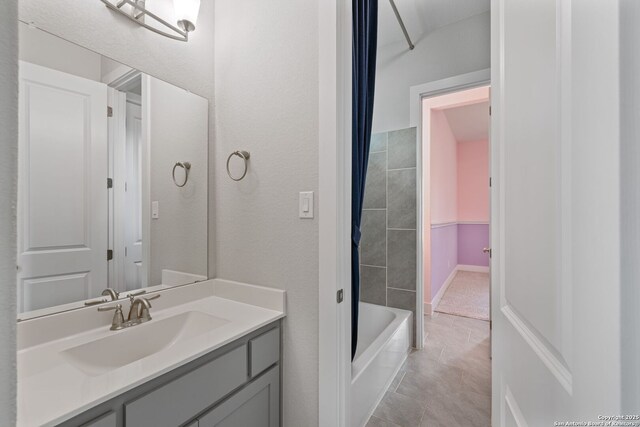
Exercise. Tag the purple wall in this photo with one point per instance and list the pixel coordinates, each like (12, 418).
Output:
(444, 254)
(471, 239)
(456, 244)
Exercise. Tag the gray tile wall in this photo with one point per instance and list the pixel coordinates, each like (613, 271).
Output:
(388, 270)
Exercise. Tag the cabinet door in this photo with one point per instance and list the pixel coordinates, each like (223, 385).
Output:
(180, 400)
(257, 405)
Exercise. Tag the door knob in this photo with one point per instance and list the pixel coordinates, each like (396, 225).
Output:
(486, 250)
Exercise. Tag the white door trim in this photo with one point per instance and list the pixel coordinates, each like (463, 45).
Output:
(116, 134)
(335, 203)
(334, 210)
(145, 271)
(118, 81)
(417, 94)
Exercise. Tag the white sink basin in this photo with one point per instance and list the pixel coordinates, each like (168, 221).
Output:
(137, 342)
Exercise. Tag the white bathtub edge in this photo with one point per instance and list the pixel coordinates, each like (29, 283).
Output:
(380, 343)
(384, 359)
(379, 399)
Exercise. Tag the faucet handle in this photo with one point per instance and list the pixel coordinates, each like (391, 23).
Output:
(118, 317)
(95, 302)
(154, 297)
(110, 307)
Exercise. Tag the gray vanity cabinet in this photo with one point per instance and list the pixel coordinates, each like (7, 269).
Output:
(179, 400)
(257, 405)
(237, 385)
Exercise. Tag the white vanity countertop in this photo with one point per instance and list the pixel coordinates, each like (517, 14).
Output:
(51, 390)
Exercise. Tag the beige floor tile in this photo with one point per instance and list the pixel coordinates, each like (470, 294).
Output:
(448, 383)
(377, 422)
(396, 381)
(400, 409)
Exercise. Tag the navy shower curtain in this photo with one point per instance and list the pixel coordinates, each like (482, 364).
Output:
(365, 37)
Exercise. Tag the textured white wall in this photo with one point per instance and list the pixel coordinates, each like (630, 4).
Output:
(458, 48)
(188, 65)
(267, 103)
(8, 174)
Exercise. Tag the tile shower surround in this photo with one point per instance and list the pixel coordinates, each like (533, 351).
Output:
(388, 247)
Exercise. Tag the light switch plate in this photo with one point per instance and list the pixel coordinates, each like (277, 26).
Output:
(305, 205)
(155, 214)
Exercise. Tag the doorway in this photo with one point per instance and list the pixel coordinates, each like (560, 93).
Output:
(451, 367)
(456, 202)
(447, 379)
(127, 151)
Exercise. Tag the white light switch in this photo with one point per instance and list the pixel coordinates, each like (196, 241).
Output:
(306, 204)
(155, 214)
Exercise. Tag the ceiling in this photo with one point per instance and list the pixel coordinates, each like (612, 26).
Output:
(469, 122)
(423, 16)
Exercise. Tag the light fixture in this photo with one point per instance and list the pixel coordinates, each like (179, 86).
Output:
(186, 12)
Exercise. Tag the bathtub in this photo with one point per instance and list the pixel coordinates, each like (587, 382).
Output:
(384, 341)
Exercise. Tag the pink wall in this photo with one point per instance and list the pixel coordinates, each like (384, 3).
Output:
(444, 175)
(473, 181)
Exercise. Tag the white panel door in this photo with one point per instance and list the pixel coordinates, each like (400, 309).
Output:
(62, 188)
(555, 212)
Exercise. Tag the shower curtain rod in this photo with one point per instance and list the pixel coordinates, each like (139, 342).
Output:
(404, 29)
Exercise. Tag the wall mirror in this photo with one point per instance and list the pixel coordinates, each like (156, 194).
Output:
(112, 187)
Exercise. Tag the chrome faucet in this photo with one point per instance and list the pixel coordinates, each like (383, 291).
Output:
(140, 307)
(138, 312)
(112, 293)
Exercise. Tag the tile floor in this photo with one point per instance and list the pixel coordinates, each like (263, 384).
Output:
(448, 383)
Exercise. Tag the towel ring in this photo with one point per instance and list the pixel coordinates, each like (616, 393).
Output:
(187, 167)
(244, 155)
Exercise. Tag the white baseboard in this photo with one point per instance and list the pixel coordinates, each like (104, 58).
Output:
(477, 268)
(437, 297)
(429, 308)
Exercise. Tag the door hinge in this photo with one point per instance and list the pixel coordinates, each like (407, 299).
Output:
(109, 182)
(340, 296)
(109, 111)
(109, 254)
(489, 109)
(490, 182)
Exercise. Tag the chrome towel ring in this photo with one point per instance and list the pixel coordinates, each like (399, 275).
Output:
(187, 167)
(244, 155)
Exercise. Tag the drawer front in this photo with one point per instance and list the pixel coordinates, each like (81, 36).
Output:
(256, 405)
(106, 420)
(264, 351)
(180, 400)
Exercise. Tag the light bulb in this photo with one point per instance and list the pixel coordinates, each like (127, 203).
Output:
(187, 13)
